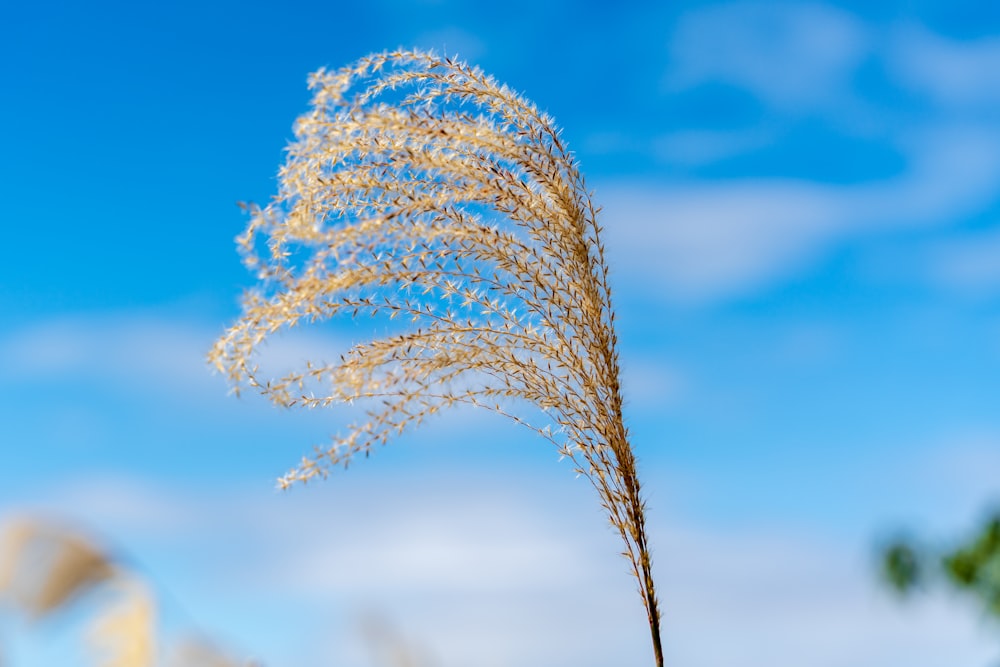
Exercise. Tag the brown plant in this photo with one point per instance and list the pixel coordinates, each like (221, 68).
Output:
(43, 566)
(46, 566)
(422, 189)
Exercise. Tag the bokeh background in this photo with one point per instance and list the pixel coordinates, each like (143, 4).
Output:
(802, 211)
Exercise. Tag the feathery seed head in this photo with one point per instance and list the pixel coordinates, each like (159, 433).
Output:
(417, 186)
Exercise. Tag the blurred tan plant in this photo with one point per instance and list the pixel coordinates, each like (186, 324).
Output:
(45, 566)
(419, 188)
(389, 647)
(124, 633)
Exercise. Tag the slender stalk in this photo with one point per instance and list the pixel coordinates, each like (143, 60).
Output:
(647, 589)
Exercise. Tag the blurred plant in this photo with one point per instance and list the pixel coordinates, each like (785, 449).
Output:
(389, 647)
(973, 567)
(125, 631)
(420, 188)
(45, 567)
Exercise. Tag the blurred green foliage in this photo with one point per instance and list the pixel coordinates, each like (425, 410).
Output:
(973, 567)
(902, 567)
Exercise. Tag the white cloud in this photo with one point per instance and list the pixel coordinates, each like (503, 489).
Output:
(137, 348)
(123, 502)
(810, 344)
(709, 241)
(154, 353)
(705, 241)
(685, 147)
(955, 74)
(651, 384)
(969, 265)
(701, 147)
(960, 472)
(785, 598)
(526, 568)
(795, 56)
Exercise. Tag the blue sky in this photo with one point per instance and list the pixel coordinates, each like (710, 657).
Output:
(802, 212)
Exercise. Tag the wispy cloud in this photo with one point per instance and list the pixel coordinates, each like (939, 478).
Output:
(517, 565)
(960, 471)
(705, 242)
(970, 265)
(796, 57)
(955, 75)
(702, 147)
(159, 352)
(711, 239)
(162, 355)
(698, 241)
